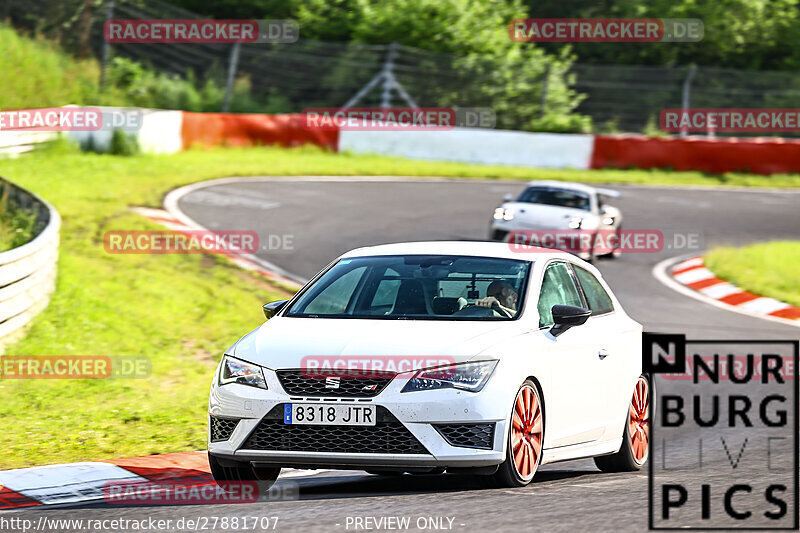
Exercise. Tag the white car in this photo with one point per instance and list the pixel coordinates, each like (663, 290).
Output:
(547, 211)
(434, 356)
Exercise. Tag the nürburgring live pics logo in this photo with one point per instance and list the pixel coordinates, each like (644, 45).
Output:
(723, 433)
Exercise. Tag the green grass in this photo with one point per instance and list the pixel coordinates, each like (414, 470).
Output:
(181, 311)
(767, 269)
(17, 223)
(38, 74)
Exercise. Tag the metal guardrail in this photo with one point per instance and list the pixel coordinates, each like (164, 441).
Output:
(28, 272)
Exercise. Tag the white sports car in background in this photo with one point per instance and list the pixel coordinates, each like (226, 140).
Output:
(430, 357)
(547, 211)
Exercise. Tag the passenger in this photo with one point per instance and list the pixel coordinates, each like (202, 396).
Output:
(501, 293)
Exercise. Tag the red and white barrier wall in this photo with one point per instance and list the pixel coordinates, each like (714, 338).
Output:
(755, 155)
(500, 147)
(173, 131)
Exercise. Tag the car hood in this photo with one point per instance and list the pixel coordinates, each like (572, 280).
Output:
(284, 342)
(542, 216)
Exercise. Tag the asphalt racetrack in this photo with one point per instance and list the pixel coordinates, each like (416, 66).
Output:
(328, 216)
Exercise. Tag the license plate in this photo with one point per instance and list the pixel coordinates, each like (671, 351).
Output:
(328, 415)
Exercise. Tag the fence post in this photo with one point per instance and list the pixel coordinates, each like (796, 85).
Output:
(685, 99)
(545, 83)
(232, 63)
(388, 77)
(106, 47)
(388, 82)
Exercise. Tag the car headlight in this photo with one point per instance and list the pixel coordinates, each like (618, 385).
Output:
(575, 222)
(501, 213)
(237, 371)
(466, 376)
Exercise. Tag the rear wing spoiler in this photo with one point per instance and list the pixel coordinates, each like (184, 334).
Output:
(607, 192)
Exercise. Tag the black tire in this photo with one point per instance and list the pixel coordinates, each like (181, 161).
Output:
(507, 474)
(226, 470)
(626, 459)
(617, 252)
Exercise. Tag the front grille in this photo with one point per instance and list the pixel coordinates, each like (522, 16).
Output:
(388, 435)
(468, 435)
(222, 428)
(300, 382)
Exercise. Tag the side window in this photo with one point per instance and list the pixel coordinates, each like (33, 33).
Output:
(334, 298)
(558, 288)
(596, 296)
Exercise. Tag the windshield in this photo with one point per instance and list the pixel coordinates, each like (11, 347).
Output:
(559, 197)
(423, 287)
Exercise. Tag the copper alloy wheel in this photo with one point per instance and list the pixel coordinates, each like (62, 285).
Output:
(639, 421)
(526, 433)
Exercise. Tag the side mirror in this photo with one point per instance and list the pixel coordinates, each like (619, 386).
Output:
(568, 316)
(508, 197)
(271, 309)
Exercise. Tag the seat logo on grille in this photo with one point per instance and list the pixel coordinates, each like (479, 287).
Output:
(370, 387)
(332, 383)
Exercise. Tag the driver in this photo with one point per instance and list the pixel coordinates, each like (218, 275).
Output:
(501, 293)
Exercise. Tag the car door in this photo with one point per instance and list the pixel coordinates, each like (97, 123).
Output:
(604, 326)
(575, 387)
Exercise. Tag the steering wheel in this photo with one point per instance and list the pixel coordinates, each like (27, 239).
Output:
(477, 310)
(502, 310)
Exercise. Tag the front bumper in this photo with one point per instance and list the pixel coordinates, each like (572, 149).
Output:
(513, 233)
(418, 412)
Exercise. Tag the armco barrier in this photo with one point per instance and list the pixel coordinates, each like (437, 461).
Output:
(232, 129)
(759, 156)
(28, 272)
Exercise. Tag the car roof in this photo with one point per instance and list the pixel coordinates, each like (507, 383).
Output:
(471, 248)
(573, 186)
(568, 185)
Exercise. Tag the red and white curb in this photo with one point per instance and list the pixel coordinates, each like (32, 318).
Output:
(85, 482)
(246, 261)
(690, 276)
